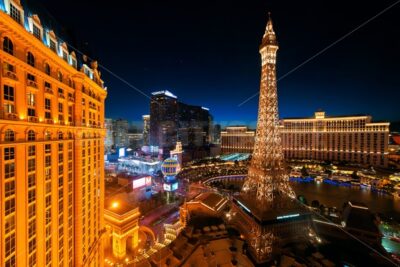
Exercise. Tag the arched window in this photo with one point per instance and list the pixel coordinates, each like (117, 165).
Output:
(30, 59)
(47, 68)
(60, 135)
(60, 76)
(47, 135)
(9, 136)
(31, 135)
(8, 46)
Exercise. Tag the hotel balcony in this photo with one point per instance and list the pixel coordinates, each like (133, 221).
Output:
(9, 116)
(61, 95)
(32, 84)
(33, 119)
(49, 121)
(10, 75)
(48, 90)
(71, 98)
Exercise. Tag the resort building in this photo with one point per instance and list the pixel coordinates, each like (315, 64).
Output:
(237, 139)
(336, 138)
(354, 139)
(51, 146)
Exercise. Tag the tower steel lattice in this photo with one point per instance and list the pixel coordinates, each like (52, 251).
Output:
(266, 211)
(267, 178)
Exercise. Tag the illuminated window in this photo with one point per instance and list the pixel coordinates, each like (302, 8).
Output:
(9, 136)
(47, 161)
(31, 99)
(9, 245)
(9, 170)
(9, 188)
(31, 197)
(47, 107)
(8, 93)
(47, 147)
(31, 165)
(9, 224)
(8, 46)
(31, 180)
(31, 135)
(9, 153)
(9, 206)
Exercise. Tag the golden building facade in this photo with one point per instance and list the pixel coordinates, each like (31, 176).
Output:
(341, 138)
(237, 139)
(327, 138)
(51, 148)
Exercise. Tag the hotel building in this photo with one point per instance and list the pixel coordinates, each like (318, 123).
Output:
(172, 121)
(327, 138)
(51, 146)
(237, 139)
(336, 138)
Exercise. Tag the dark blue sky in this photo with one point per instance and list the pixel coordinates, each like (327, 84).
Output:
(206, 52)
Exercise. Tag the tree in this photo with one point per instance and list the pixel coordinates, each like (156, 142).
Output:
(304, 172)
(355, 176)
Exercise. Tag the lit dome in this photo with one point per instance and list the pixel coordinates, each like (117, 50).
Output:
(170, 167)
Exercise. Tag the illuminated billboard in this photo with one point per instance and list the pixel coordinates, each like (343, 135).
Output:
(143, 181)
(170, 187)
(121, 152)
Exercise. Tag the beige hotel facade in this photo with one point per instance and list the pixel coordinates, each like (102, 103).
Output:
(353, 138)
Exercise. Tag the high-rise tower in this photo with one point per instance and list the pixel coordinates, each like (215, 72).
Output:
(51, 145)
(266, 211)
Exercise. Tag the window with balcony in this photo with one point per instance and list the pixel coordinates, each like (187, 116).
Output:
(8, 46)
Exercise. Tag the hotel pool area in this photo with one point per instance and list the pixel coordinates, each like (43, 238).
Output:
(235, 157)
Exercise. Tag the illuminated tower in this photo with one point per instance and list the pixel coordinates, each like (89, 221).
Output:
(146, 129)
(266, 210)
(177, 154)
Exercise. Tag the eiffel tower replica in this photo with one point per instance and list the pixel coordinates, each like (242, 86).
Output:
(266, 211)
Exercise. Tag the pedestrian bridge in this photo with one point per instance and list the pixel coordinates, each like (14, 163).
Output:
(225, 178)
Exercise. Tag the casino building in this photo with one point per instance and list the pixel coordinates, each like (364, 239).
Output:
(51, 145)
(237, 139)
(352, 138)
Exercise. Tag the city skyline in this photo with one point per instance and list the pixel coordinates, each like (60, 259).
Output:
(210, 50)
(82, 187)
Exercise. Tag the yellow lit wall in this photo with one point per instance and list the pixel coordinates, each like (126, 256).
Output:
(51, 150)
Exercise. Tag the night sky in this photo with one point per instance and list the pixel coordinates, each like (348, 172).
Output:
(206, 53)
